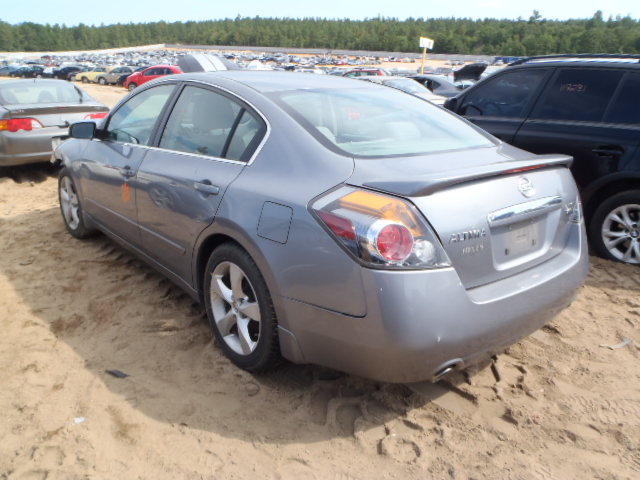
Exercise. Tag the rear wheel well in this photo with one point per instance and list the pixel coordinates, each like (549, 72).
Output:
(607, 191)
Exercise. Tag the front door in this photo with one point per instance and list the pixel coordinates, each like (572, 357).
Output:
(110, 165)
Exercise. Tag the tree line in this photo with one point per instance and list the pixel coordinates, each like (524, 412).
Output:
(521, 37)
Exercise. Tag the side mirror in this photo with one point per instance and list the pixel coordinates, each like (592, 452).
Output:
(451, 104)
(82, 130)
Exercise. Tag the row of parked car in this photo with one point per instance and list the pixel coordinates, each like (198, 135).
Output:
(127, 76)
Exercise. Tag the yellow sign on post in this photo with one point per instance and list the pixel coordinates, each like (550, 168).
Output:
(424, 44)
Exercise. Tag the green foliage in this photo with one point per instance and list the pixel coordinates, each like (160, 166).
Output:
(535, 36)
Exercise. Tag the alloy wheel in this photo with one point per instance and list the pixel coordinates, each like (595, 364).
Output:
(235, 308)
(621, 233)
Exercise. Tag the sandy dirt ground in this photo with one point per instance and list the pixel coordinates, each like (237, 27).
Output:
(561, 404)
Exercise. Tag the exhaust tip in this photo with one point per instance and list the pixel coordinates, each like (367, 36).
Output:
(446, 369)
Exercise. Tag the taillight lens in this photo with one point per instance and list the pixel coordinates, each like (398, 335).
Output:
(95, 116)
(380, 230)
(16, 124)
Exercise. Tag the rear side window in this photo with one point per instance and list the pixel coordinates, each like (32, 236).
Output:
(578, 94)
(505, 96)
(626, 107)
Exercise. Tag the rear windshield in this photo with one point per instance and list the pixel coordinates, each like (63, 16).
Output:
(378, 122)
(32, 92)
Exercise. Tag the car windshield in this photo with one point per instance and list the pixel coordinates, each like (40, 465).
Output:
(378, 122)
(34, 93)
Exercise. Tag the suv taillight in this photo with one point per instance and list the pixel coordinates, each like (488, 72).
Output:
(15, 124)
(380, 230)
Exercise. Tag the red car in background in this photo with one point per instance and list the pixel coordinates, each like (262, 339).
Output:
(138, 78)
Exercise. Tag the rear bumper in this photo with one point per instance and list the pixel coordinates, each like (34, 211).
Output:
(419, 322)
(21, 148)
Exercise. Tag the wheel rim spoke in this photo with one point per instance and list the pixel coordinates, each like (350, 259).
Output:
(250, 310)
(237, 276)
(220, 289)
(246, 343)
(227, 322)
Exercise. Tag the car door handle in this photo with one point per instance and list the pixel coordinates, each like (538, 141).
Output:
(127, 172)
(206, 187)
(608, 150)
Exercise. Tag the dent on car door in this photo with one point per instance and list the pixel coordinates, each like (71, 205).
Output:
(590, 115)
(500, 104)
(110, 164)
(205, 145)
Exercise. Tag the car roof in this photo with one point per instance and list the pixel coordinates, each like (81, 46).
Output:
(266, 81)
(581, 58)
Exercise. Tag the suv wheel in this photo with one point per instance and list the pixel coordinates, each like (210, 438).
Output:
(102, 81)
(615, 228)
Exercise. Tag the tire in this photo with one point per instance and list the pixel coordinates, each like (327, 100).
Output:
(240, 309)
(85, 80)
(70, 206)
(132, 87)
(102, 81)
(615, 228)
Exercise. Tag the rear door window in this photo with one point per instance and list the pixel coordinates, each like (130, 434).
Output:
(207, 123)
(578, 94)
(505, 96)
(626, 106)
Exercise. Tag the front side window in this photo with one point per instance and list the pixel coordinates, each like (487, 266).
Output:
(578, 94)
(133, 122)
(378, 122)
(204, 122)
(505, 96)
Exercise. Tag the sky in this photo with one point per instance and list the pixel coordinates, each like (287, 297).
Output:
(92, 12)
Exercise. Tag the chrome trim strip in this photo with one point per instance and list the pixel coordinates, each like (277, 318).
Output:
(524, 211)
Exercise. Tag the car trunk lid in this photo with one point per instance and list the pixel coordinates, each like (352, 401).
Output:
(53, 115)
(494, 218)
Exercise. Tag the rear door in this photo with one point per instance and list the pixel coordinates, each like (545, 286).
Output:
(207, 141)
(590, 114)
(500, 104)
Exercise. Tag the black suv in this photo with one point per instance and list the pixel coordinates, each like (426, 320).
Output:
(586, 106)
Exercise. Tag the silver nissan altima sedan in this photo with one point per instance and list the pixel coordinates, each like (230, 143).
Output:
(333, 222)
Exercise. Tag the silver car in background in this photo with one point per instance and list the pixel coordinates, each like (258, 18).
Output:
(32, 112)
(333, 222)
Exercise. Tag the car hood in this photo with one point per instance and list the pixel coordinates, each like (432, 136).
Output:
(472, 71)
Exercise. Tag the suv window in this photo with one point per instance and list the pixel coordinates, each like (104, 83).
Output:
(504, 96)
(625, 108)
(578, 94)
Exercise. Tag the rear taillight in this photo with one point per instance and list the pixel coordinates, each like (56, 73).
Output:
(16, 124)
(380, 230)
(95, 116)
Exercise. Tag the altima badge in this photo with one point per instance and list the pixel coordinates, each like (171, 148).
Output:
(526, 187)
